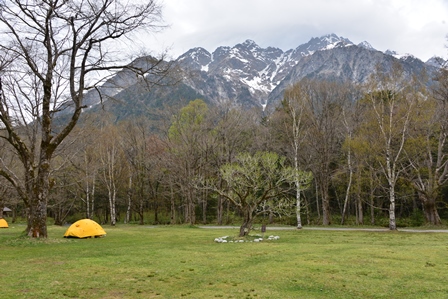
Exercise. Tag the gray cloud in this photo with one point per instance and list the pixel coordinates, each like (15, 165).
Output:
(407, 26)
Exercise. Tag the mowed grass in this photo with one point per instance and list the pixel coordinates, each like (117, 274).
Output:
(184, 262)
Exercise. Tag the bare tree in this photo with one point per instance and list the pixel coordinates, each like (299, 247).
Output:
(325, 102)
(427, 153)
(390, 100)
(144, 153)
(234, 132)
(82, 156)
(52, 51)
(292, 127)
(189, 147)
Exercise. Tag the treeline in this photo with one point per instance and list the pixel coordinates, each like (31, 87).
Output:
(377, 154)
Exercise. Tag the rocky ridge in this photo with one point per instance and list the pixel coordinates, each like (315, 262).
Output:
(249, 75)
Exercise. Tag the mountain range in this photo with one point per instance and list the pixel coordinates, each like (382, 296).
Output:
(248, 76)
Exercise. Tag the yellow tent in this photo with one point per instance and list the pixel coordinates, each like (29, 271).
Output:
(84, 228)
(3, 223)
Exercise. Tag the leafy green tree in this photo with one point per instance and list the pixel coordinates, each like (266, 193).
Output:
(256, 183)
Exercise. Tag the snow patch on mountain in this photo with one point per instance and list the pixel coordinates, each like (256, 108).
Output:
(204, 68)
(257, 84)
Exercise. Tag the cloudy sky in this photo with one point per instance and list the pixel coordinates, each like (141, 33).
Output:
(418, 27)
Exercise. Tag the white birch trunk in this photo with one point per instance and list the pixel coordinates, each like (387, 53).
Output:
(386, 118)
(298, 190)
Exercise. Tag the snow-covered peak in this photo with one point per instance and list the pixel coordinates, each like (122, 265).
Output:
(331, 38)
(195, 54)
(249, 46)
(326, 42)
(196, 58)
(366, 45)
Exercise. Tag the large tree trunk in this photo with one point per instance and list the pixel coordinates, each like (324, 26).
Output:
(37, 217)
(247, 224)
(326, 218)
(37, 205)
(430, 209)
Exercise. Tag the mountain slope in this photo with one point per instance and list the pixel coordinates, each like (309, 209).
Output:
(248, 75)
(347, 64)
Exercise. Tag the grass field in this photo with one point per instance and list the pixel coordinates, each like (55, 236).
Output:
(184, 262)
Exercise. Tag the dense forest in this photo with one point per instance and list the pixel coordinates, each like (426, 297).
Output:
(371, 155)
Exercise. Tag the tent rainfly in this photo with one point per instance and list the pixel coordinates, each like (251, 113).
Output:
(3, 223)
(85, 228)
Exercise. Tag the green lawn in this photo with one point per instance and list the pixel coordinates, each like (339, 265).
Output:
(183, 262)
